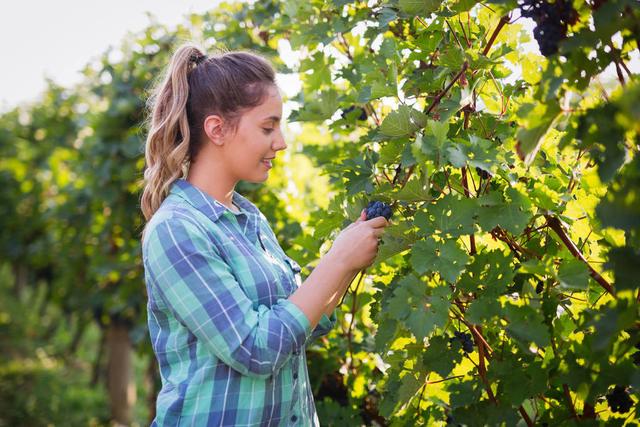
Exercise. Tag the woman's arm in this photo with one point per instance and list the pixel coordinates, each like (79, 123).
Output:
(323, 289)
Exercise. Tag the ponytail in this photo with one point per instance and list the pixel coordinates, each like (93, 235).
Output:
(165, 154)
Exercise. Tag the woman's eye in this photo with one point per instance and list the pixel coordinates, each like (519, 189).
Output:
(267, 131)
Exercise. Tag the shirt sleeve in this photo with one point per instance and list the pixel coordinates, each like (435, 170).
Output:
(199, 288)
(324, 326)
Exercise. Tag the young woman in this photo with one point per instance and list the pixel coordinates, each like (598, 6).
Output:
(228, 317)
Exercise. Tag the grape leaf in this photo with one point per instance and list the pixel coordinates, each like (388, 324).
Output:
(527, 325)
(439, 358)
(573, 274)
(403, 121)
(445, 258)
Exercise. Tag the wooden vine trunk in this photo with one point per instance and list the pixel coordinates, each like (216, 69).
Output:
(120, 379)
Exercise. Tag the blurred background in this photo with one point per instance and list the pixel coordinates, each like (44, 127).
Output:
(74, 347)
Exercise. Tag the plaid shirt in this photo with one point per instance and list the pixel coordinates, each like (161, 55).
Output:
(229, 343)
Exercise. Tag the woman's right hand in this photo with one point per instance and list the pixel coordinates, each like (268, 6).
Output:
(356, 247)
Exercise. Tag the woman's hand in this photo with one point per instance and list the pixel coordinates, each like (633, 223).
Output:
(356, 247)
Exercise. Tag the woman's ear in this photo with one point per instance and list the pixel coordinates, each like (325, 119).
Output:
(213, 129)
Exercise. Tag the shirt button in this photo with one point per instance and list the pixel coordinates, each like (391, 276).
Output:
(294, 418)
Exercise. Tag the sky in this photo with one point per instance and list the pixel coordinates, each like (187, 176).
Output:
(58, 38)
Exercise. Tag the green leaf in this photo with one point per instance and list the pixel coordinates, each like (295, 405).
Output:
(428, 308)
(512, 216)
(446, 258)
(419, 7)
(387, 327)
(452, 215)
(527, 325)
(573, 274)
(625, 263)
(530, 139)
(439, 358)
(416, 189)
(483, 309)
(403, 121)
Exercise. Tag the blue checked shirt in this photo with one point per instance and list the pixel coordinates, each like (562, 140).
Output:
(229, 343)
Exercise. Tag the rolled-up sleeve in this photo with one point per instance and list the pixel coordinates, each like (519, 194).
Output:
(200, 289)
(324, 326)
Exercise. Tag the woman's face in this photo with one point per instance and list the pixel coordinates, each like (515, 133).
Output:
(258, 137)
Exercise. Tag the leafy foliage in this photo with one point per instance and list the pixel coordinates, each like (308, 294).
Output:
(516, 194)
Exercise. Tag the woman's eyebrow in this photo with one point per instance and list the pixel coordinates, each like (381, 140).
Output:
(274, 118)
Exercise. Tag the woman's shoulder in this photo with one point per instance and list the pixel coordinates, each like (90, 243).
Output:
(171, 215)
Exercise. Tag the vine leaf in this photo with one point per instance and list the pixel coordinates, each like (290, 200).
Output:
(451, 215)
(419, 7)
(530, 139)
(445, 258)
(403, 121)
(428, 307)
(527, 325)
(439, 357)
(573, 274)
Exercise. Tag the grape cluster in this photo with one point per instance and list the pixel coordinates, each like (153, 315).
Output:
(552, 20)
(362, 116)
(619, 400)
(465, 340)
(377, 208)
(483, 173)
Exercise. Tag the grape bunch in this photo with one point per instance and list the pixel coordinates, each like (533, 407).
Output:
(483, 173)
(362, 116)
(377, 208)
(619, 400)
(552, 20)
(465, 340)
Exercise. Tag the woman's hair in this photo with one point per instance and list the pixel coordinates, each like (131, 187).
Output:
(192, 87)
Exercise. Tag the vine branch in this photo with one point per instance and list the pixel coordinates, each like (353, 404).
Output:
(555, 225)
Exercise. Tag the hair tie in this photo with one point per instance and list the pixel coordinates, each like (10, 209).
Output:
(198, 59)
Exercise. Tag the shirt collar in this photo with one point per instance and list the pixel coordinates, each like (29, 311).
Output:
(209, 206)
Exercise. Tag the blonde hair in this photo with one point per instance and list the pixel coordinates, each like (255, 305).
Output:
(193, 87)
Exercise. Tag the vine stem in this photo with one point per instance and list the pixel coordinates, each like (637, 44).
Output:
(436, 101)
(353, 315)
(555, 225)
(503, 21)
(454, 34)
(567, 395)
(465, 186)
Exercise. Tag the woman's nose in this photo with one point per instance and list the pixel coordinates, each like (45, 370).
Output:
(280, 143)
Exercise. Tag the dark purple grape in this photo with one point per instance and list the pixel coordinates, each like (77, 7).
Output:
(552, 20)
(465, 341)
(377, 208)
(483, 173)
(362, 116)
(619, 400)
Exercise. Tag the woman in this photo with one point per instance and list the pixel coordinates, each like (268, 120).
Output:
(228, 317)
